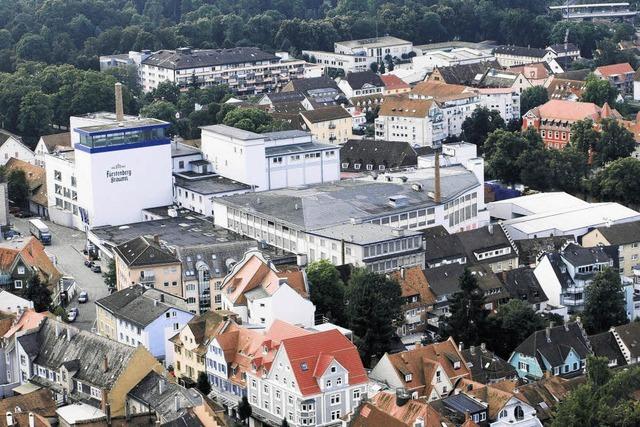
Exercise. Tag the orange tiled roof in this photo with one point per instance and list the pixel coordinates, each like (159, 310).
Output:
(393, 82)
(29, 320)
(32, 253)
(440, 91)
(614, 69)
(312, 350)
(409, 412)
(568, 110)
(415, 282)
(405, 107)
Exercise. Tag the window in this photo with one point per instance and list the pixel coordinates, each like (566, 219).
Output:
(518, 413)
(333, 369)
(408, 377)
(356, 393)
(18, 284)
(339, 381)
(523, 366)
(21, 270)
(336, 415)
(96, 393)
(328, 383)
(290, 400)
(335, 399)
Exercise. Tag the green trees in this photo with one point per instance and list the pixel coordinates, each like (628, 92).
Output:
(503, 152)
(253, 119)
(18, 188)
(109, 275)
(532, 97)
(481, 123)
(203, 384)
(36, 114)
(327, 290)
(468, 317)
(511, 325)
(244, 409)
(38, 293)
(599, 91)
(374, 303)
(615, 142)
(604, 303)
(618, 182)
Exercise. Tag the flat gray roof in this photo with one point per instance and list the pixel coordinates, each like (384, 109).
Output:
(179, 149)
(283, 134)
(211, 184)
(232, 132)
(298, 148)
(364, 234)
(320, 206)
(129, 124)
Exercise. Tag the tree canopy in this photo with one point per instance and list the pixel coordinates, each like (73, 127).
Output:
(599, 91)
(479, 124)
(468, 318)
(604, 303)
(617, 182)
(532, 97)
(327, 290)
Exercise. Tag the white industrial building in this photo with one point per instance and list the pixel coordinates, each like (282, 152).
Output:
(450, 57)
(270, 160)
(556, 214)
(116, 169)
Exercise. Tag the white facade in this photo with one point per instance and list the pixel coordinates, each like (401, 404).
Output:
(62, 189)
(13, 147)
(10, 303)
(447, 58)
(269, 161)
(199, 202)
(516, 413)
(420, 131)
(636, 90)
(505, 101)
(285, 304)
(347, 63)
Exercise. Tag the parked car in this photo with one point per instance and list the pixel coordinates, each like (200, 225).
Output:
(96, 268)
(23, 214)
(88, 263)
(83, 297)
(10, 234)
(72, 315)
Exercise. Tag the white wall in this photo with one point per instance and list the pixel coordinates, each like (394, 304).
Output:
(548, 281)
(286, 305)
(14, 148)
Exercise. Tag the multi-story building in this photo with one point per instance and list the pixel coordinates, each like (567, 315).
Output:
(506, 101)
(245, 70)
(79, 366)
(509, 56)
(270, 160)
(123, 60)
(10, 374)
(141, 316)
(394, 85)
(619, 76)
(416, 121)
(49, 144)
(12, 146)
(418, 300)
(329, 125)
(625, 236)
(565, 275)
(250, 350)
(290, 219)
(196, 191)
(358, 55)
(259, 294)
(553, 120)
(145, 261)
(364, 88)
(186, 350)
(313, 380)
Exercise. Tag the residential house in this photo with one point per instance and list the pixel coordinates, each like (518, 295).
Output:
(390, 409)
(442, 248)
(143, 260)
(609, 345)
(625, 236)
(487, 367)
(415, 121)
(636, 85)
(14, 304)
(12, 327)
(20, 260)
(545, 394)
(490, 246)
(238, 350)
(313, 379)
(522, 284)
(259, 293)
(505, 101)
(565, 275)
(429, 372)
(463, 408)
(628, 339)
(499, 78)
(362, 155)
(364, 89)
(418, 299)
(394, 85)
(505, 407)
(619, 76)
(530, 249)
(318, 92)
(37, 181)
(274, 160)
(49, 144)
(35, 409)
(329, 125)
(79, 366)
(11, 146)
(141, 316)
(557, 350)
(462, 74)
(565, 89)
(536, 73)
(186, 351)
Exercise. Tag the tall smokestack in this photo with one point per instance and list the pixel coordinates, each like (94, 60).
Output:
(437, 193)
(119, 106)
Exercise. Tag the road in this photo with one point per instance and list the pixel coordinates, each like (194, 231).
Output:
(66, 247)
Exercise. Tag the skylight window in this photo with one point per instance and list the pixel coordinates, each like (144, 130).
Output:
(304, 366)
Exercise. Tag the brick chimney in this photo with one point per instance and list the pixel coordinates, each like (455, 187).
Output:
(119, 104)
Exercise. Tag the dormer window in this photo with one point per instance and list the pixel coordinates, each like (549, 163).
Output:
(333, 369)
(456, 365)
(408, 377)
(265, 349)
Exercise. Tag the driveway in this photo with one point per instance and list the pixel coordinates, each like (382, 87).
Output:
(66, 246)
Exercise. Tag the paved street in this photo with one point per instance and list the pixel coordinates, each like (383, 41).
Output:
(67, 245)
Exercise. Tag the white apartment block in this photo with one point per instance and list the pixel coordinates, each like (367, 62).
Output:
(419, 122)
(271, 160)
(246, 70)
(358, 55)
(506, 101)
(62, 189)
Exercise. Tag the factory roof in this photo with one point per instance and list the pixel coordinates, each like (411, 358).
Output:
(232, 132)
(179, 150)
(520, 51)
(297, 148)
(319, 206)
(187, 58)
(210, 184)
(539, 203)
(373, 42)
(362, 234)
(120, 126)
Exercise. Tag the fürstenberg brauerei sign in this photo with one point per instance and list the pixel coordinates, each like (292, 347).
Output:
(118, 173)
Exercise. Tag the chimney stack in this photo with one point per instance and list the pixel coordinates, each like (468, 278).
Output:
(176, 401)
(119, 105)
(107, 412)
(161, 386)
(437, 192)
(9, 419)
(32, 420)
(105, 363)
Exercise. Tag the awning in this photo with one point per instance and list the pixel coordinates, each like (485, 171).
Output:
(26, 388)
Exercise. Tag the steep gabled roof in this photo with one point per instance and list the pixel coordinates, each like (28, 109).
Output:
(56, 140)
(32, 253)
(393, 82)
(630, 336)
(555, 349)
(621, 234)
(313, 351)
(324, 114)
(441, 91)
(357, 80)
(376, 152)
(414, 282)
(407, 414)
(615, 69)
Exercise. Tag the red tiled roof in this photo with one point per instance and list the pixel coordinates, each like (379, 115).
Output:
(33, 254)
(615, 69)
(392, 82)
(313, 351)
(568, 110)
(29, 320)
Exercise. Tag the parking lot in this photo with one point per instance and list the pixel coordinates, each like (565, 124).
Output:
(66, 247)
